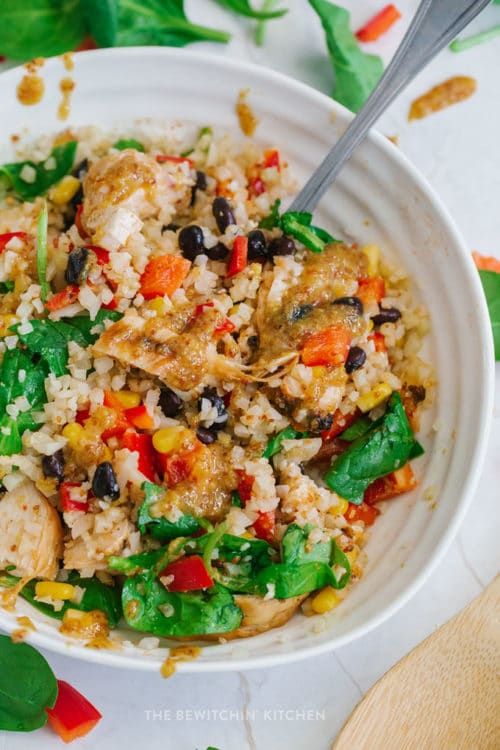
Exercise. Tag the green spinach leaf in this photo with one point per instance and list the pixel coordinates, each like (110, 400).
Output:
(386, 446)
(58, 164)
(238, 560)
(356, 73)
(491, 285)
(135, 564)
(160, 528)
(6, 286)
(124, 143)
(243, 8)
(148, 606)
(27, 687)
(357, 429)
(40, 28)
(161, 22)
(41, 253)
(10, 439)
(274, 445)
(101, 19)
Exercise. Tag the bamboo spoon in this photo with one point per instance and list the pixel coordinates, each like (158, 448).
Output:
(444, 695)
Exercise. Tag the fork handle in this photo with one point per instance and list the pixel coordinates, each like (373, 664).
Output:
(434, 25)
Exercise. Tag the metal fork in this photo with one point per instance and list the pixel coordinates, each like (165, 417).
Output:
(434, 25)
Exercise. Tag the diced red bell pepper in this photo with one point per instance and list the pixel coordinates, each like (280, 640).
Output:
(245, 484)
(239, 256)
(164, 275)
(139, 417)
(364, 512)
(329, 347)
(379, 341)
(79, 223)
(121, 422)
(379, 24)
(189, 574)
(226, 327)
(73, 715)
(101, 254)
(265, 525)
(82, 415)
(396, 483)
(163, 158)
(67, 297)
(66, 498)
(143, 444)
(340, 423)
(256, 186)
(177, 467)
(371, 290)
(484, 263)
(198, 310)
(112, 305)
(8, 236)
(271, 159)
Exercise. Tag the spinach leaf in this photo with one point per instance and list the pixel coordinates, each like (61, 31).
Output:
(386, 446)
(272, 219)
(238, 560)
(160, 528)
(243, 8)
(298, 224)
(274, 445)
(124, 143)
(293, 580)
(40, 28)
(32, 386)
(295, 547)
(491, 285)
(60, 163)
(85, 325)
(260, 31)
(148, 606)
(356, 73)
(10, 439)
(27, 687)
(6, 286)
(160, 22)
(41, 253)
(101, 18)
(357, 429)
(97, 595)
(135, 564)
(417, 450)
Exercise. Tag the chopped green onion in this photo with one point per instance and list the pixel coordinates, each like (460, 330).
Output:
(41, 253)
(460, 45)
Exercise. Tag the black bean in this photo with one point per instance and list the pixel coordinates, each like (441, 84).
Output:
(386, 315)
(205, 435)
(75, 270)
(170, 403)
(253, 342)
(200, 184)
(81, 169)
(215, 400)
(355, 359)
(257, 247)
(350, 302)
(104, 483)
(191, 241)
(172, 227)
(217, 252)
(300, 312)
(53, 466)
(281, 246)
(223, 214)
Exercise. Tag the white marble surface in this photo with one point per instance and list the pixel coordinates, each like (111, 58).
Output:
(304, 705)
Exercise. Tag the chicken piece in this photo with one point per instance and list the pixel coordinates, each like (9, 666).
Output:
(180, 358)
(122, 189)
(31, 534)
(105, 534)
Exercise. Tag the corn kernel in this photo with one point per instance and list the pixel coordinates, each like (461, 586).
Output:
(5, 322)
(105, 454)
(319, 371)
(372, 255)
(373, 398)
(65, 190)
(352, 556)
(73, 433)
(326, 600)
(158, 305)
(168, 439)
(54, 590)
(128, 399)
(342, 507)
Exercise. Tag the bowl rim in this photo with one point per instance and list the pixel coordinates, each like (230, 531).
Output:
(486, 380)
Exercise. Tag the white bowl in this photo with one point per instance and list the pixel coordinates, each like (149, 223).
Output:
(379, 197)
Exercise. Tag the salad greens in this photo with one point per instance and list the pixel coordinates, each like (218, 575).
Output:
(43, 28)
(97, 595)
(160, 528)
(356, 73)
(297, 224)
(243, 8)
(128, 143)
(491, 285)
(101, 20)
(41, 253)
(45, 173)
(27, 687)
(274, 445)
(386, 446)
